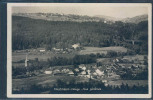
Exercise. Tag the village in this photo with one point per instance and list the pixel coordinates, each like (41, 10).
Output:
(105, 70)
(104, 73)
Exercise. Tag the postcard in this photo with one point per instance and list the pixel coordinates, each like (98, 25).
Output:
(79, 50)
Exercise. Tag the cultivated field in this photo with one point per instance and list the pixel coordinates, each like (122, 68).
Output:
(41, 56)
(104, 50)
(49, 80)
(18, 56)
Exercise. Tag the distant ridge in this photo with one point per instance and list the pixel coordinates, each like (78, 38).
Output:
(81, 18)
(60, 17)
(108, 18)
(136, 19)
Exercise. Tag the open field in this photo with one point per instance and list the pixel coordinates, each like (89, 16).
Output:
(49, 80)
(31, 56)
(44, 80)
(17, 56)
(104, 50)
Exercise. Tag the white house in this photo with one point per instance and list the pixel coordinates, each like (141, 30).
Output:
(104, 81)
(65, 70)
(71, 73)
(55, 49)
(88, 76)
(83, 73)
(77, 70)
(82, 66)
(43, 50)
(100, 73)
(48, 72)
(75, 46)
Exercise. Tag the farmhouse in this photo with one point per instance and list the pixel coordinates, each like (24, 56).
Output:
(65, 70)
(49, 71)
(88, 76)
(70, 73)
(77, 70)
(83, 73)
(100, 73)
(75, 46)
(55, 49)
(82, 66)
(41, 49)
(88, 71)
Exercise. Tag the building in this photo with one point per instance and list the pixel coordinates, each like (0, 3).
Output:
(55, 49)
(83, 73)
(75, 46)
(77, 70)
(70, 73)
(100, 73)
(65, 70)
(104, 81)
(26, 61)
(82, 66)
(41, 49)
(48, 71)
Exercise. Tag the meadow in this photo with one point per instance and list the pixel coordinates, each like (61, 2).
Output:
(103, 50)
(44, 80)
(41, 56)
(18, 56)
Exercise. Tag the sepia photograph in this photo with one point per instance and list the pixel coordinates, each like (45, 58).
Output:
(67, 50)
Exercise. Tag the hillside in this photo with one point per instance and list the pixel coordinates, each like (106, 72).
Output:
(81, 18)
(108, 18)
(136, 19)
(34, 33)
(60, 17)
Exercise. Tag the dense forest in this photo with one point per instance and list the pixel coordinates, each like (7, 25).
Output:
(33, 33)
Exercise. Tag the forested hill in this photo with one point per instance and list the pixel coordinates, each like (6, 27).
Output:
(136, 19)
(33, 33)
(61, 17)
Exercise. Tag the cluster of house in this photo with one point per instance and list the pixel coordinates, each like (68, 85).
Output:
(92, 72)
(134, 65)
(67, 50)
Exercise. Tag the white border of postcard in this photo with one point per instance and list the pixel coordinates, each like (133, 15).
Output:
(9, 52)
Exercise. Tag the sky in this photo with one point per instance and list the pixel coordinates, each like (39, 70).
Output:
(85, 9)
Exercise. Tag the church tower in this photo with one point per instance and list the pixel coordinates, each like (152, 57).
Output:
(26, 61)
